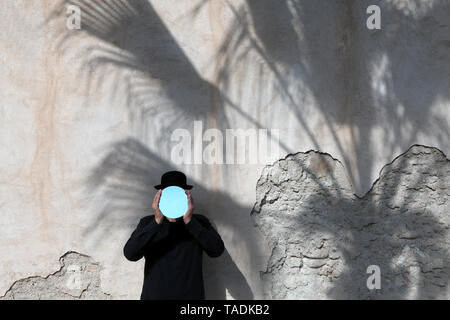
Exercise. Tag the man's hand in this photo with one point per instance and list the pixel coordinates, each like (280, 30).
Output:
(155, 206)
(188, 215)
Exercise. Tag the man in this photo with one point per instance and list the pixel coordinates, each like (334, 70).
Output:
(173, 248)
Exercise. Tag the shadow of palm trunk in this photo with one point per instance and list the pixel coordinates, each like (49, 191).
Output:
(321, 56)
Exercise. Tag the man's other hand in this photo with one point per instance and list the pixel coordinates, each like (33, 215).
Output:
(155, 206)
(188, 215)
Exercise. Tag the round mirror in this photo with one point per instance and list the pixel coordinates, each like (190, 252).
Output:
(173, 203)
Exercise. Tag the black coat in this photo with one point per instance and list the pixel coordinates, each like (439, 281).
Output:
(173, 256)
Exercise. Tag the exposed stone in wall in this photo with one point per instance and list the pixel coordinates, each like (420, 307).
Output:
(323, 237)
(78, 278)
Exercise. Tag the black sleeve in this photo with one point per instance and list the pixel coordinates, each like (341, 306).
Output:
(208, 238)
(144, 233)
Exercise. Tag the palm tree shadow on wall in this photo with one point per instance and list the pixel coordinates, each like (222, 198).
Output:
(131, 35)
(337, 69)
(138, 54)
(325, 46)
(410, 53)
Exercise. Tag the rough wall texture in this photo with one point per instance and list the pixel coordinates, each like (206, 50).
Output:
(86, 116)
(78, 278)
(323, 237)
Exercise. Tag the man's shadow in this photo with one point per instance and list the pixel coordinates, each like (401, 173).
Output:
(224, 279)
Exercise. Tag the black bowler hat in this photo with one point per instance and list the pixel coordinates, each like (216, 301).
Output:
(173, 178)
